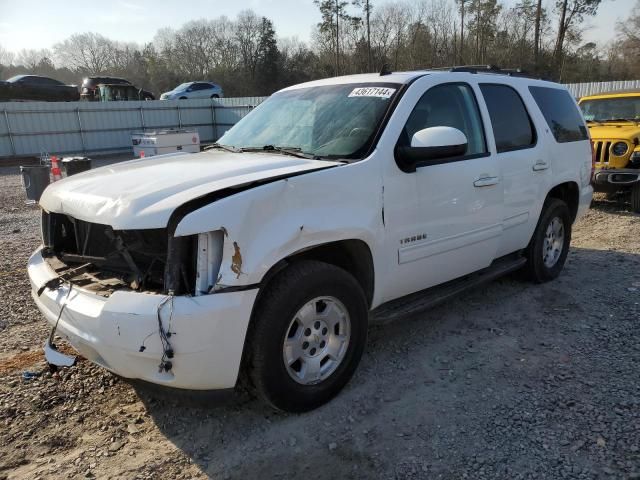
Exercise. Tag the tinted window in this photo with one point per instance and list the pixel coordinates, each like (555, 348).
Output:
(449, 105)
(561, 114)
(93, 81)
(199, 86)
(512, 126)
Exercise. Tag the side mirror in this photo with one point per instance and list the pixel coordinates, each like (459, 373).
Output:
(430, 146)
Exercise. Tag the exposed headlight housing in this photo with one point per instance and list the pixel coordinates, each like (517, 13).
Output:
(209, 258)
(619, 149)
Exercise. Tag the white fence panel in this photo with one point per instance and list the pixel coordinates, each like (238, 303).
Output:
(32, 128)
(582, 89)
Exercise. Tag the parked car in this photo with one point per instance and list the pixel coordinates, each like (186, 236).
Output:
(193, 90)
(614, 121)
(89, 89)
(331, 202)
(37, 88)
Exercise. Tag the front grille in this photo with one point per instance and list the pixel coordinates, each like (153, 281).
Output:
(602, 149)
(136, 257)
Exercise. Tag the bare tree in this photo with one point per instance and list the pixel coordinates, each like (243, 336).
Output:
(571, 13)
(32, 58)
(6, 57)
(87, 52)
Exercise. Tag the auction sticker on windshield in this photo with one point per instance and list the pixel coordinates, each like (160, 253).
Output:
(380, 92)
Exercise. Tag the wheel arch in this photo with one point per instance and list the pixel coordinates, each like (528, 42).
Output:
(569, 193)
(352, 255)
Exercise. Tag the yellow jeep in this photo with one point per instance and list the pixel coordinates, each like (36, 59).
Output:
(614, 122)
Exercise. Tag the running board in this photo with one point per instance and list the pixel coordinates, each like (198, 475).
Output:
(425, 299)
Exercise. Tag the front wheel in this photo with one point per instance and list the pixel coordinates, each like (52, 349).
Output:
(547, 251)
(308, 335)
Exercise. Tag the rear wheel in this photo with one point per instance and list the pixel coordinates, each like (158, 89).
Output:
(635, 197)
(549, 246)
(308, 335)
(215, 95)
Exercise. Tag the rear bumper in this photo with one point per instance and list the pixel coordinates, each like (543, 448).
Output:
(208, 332)
(584, 202)
(616, 177)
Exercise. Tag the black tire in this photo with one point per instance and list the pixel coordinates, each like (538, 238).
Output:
(535, 268)
(215, 95)
(284, 296)
(182, 98)
(635, 197)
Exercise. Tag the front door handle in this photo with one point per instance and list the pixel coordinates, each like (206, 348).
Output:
(540, 165)
(486, 181)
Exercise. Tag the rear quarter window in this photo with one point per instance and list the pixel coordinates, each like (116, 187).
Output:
(561, 114)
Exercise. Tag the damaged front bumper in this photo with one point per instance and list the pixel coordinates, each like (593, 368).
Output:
(121, 332)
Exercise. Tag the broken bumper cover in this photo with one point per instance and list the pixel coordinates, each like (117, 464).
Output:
(208, 331)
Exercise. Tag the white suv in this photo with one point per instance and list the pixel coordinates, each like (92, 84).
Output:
(326, 206)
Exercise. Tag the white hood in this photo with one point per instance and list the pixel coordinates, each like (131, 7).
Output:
(142, 194)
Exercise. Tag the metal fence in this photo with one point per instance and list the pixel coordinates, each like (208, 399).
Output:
(581, 89)
(33, 128)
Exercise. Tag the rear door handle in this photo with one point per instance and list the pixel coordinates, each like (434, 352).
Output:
(540, 165)
(486, 181)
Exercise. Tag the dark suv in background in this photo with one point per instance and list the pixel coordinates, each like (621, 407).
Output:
(37, 88)
(89, 89)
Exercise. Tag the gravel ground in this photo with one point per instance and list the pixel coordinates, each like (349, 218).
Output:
(512, 381)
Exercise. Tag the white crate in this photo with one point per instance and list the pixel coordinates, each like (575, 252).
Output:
(159, 142)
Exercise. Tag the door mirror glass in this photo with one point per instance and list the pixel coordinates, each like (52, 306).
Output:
(432, 144)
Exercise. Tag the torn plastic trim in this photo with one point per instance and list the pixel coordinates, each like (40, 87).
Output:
(56, 358)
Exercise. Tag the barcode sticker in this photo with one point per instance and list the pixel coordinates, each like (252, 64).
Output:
(380, 92)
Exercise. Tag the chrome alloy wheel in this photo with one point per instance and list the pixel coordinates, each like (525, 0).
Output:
(317, 340)
(553, 242)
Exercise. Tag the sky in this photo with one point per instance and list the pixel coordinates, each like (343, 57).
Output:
(36, 24)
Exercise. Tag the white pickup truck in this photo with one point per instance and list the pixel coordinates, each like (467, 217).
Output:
(333, 202)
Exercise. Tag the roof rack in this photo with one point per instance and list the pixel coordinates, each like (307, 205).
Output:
(512, 72)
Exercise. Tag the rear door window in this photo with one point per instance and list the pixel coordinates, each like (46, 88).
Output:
(561, 114)
(512, 125)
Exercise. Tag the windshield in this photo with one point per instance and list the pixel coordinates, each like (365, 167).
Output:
(15, 79)
(602, 110)
(328, 121)
(182, 86)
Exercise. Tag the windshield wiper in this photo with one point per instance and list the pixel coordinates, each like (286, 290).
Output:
(227, 148)
(293, 151)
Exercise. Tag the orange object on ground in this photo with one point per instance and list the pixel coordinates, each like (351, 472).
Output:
(55, 168)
